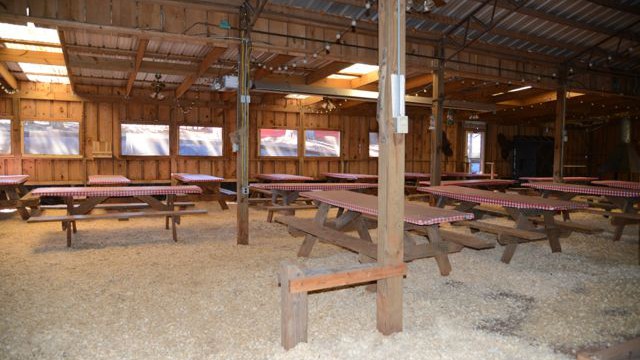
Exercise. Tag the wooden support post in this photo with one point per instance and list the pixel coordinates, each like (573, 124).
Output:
(558, 141)
(391, 59)
(242, 127)
(437, 111)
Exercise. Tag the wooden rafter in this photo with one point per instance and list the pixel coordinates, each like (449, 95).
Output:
(618, 5)
(209, 59)
(33, 57)
(8, 76)
(365, 80)
(142, 47)
(276, 61)
(325, 71)
(65, 55)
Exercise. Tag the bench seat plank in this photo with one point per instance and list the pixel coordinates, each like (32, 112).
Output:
(127, 215)
(502, 230)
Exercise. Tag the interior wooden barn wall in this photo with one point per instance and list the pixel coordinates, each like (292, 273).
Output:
(101, 128)
(100, 134)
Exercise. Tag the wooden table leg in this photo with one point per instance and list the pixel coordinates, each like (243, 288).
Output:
(553, 233)
(310, 240)
(214, 189)
(12, 195)
(442, 257)
(626, 205)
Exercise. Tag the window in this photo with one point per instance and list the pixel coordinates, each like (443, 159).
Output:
(5, 136)
(51, 137)
(144, 140)
(374, 148)
(321, 143)
(278, 142)
(475, 151)
(200, 141)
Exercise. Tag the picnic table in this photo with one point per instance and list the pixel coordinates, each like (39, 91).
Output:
(108, 180)
(423, 237)
(487, 184)
(623, 199)
(521, 209)
(210, 185)
(94, 196)
(11, 190)
(632, 185)
(345, 177)
(283, 178)
(289, 192)
(567, 179)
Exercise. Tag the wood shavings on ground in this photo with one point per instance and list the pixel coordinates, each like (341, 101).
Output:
(126, 291)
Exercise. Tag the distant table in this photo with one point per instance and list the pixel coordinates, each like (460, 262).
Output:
(519, 207)
(623, 199)
(357, 206)
(343, 177)
(283, 178)
(93, 196)
(108, 180)
(11, 190)
(567, 179)
(632, 185)
(210, 186)
(464, 175)
(487, 184)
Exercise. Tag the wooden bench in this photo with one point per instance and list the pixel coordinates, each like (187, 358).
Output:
(68, 221)
(461, 239)
(115, 206)
(289, 209)
(296, 282)
(501, 230)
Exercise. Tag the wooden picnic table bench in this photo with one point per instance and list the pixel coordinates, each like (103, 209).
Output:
(345, 177)
(290, 192)
(487, 184)
(566, 179)
(466, 176)
(519, 207)
(210, 185)
(12, 189)
(357, 206)
(108, 180)
(98, 195)
(623, 199)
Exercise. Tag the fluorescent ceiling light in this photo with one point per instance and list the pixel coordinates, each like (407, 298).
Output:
(48, 78)
(520, 88)
(297, 96)
(29, 33)
(359, 69)
(496, 94)
(28, 47)
(29, 68)
(341, 77)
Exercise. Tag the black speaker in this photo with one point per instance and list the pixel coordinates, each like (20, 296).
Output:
(532, 156)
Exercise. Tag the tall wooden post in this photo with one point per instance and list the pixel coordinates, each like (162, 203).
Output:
(242, 128)
(392, 126)
(558, 141)
(437, 111)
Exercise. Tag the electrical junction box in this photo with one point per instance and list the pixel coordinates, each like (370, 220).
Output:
(401, 124)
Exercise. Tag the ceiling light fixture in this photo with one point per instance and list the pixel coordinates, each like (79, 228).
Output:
(157, 86)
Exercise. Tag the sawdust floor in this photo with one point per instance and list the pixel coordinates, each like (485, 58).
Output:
(126, 291)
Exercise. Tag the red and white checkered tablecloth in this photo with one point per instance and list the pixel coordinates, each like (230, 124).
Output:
(632, 185)
(283, 177)
(13, 179)
(312, 186)
(473, 182)
(108, 180)
(348, 176)
(584, 189)
(119, 191)
(196, 178)
(507, 200)
(414, 213)
(566, 179)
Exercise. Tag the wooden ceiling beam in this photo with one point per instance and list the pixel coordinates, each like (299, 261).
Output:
(325, 71)
(65, 54)
(32, 57)
(8, 76)
(142, 47)
(213, 55)
(365, 80)
(617, 5)
(417, 82)
(276, 61)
